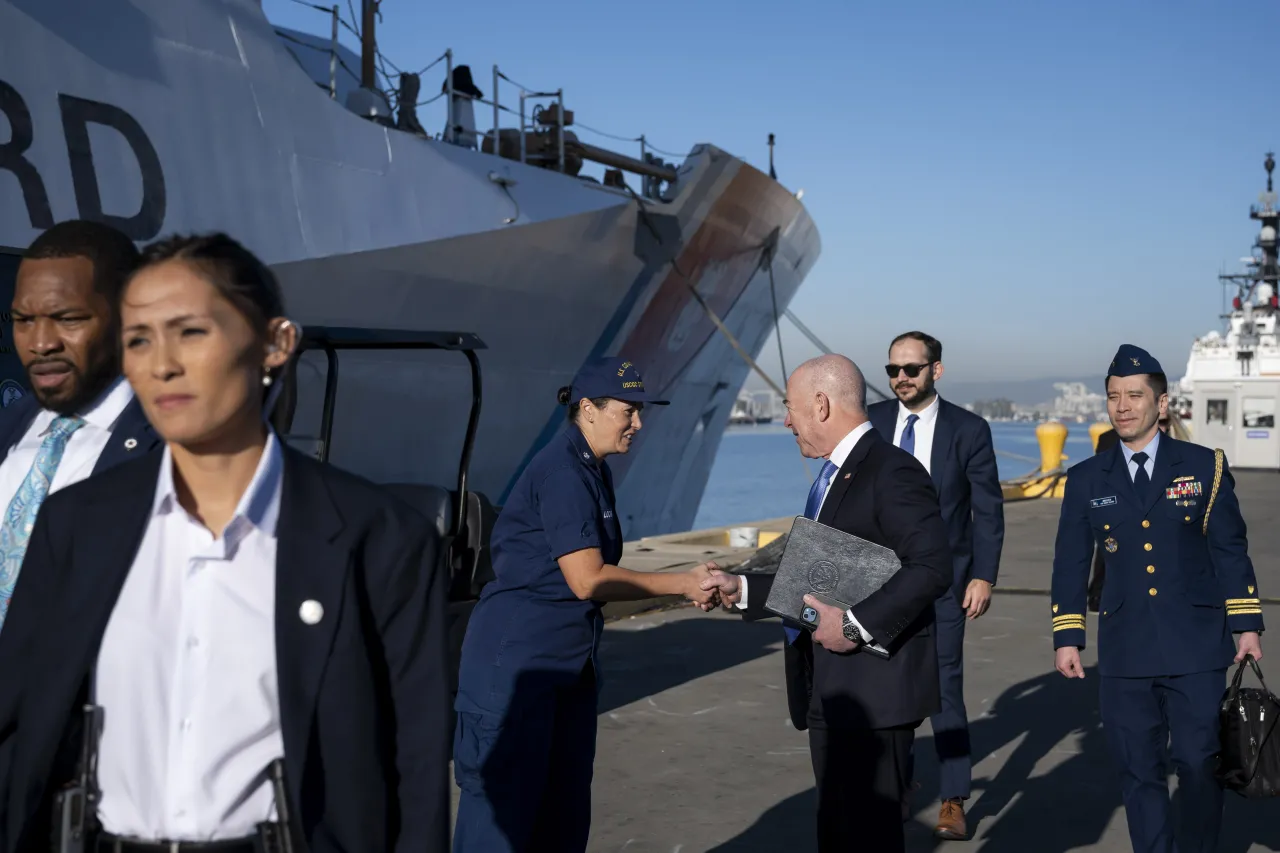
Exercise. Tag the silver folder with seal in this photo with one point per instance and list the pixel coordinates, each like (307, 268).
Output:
(835, 567)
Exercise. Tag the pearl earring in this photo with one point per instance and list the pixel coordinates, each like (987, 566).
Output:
(266, 380)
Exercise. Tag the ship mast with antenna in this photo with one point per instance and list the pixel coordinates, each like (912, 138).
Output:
(1256, 288)
(369, 44)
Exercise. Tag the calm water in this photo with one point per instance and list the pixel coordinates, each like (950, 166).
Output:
(759, 473)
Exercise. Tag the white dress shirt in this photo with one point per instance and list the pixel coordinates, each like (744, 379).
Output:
(186, 672)
(924, 430)
(1150, 464)
(83, 448)
(838, 457)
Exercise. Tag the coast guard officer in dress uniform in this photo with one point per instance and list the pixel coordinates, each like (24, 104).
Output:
(1179, 584)
(82, 417)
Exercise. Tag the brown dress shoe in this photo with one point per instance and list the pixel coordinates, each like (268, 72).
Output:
(951, 825)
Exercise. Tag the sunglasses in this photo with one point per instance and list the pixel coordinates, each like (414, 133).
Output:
(912, 370)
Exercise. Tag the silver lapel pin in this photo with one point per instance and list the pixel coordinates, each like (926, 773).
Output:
(311, 611)
(130, 443)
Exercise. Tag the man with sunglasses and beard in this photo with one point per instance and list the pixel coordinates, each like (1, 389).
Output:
(955, 447)
(81, 416)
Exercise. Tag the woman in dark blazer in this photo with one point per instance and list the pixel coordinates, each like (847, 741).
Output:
(228, 602)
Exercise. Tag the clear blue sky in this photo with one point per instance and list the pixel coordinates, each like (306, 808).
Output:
(1031, 181)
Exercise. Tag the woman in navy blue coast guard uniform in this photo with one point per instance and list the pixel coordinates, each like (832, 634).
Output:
(526, 731)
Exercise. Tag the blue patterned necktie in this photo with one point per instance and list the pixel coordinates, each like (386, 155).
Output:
(908, 440)
(817, 492)
(20, 517)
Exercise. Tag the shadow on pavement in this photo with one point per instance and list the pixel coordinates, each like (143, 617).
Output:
(1066, 808)
(641, 663)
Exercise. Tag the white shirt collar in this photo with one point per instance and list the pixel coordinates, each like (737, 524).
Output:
(927, 416)
(1150, 449)
(104, 411)
(260, 503)
(846, 445)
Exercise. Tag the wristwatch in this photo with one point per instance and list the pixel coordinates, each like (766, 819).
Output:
(850, 630)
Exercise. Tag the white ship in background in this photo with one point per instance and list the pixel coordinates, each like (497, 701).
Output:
(1228, 396)
(163, 116)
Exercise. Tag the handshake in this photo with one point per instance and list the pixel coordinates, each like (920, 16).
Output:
(708, 587)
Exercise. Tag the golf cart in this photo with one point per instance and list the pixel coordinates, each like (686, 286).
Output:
(463, 518)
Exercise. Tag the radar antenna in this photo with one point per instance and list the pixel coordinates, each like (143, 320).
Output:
(1256, 288)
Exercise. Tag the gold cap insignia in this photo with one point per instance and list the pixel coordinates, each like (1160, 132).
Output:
(1135, 362)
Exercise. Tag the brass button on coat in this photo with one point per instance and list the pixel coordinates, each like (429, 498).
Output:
(1151, 591)
(1151, 570)
(1147, 546)
(1146, 523)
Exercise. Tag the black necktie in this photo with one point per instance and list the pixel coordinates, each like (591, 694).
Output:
(1141, 482)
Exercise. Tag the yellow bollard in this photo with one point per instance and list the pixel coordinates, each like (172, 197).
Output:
(1096, 429)
(1052, 437)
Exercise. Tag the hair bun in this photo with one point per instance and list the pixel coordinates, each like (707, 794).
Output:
(562, 396)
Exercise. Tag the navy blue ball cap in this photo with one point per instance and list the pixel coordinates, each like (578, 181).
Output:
(1132, 361)
(611, 377)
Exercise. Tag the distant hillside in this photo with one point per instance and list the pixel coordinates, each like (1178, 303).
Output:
(1027, 392)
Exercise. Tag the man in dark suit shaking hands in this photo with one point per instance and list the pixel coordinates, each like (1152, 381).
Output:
(954, 445)
(860, 709)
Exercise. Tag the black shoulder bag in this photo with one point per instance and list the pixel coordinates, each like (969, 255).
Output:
(1249, 760)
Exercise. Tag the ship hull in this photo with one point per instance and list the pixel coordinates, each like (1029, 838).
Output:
(203, 122)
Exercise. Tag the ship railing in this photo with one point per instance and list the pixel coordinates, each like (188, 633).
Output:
(548, 121)
(335, 59)
(540, 112)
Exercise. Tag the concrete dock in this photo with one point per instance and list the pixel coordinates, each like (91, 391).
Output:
(696, 753)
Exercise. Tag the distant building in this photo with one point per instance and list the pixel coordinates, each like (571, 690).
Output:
(998, 409)
(1076, 402)
(755, 407)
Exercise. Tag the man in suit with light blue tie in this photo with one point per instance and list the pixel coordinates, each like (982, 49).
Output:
(81, 416)
(955, 446)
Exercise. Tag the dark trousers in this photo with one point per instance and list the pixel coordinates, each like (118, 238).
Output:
(1140, 716)
(860, 775)
(951, 724)
(525, 774)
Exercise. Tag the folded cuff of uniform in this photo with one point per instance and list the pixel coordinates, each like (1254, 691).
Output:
(1068, 630)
